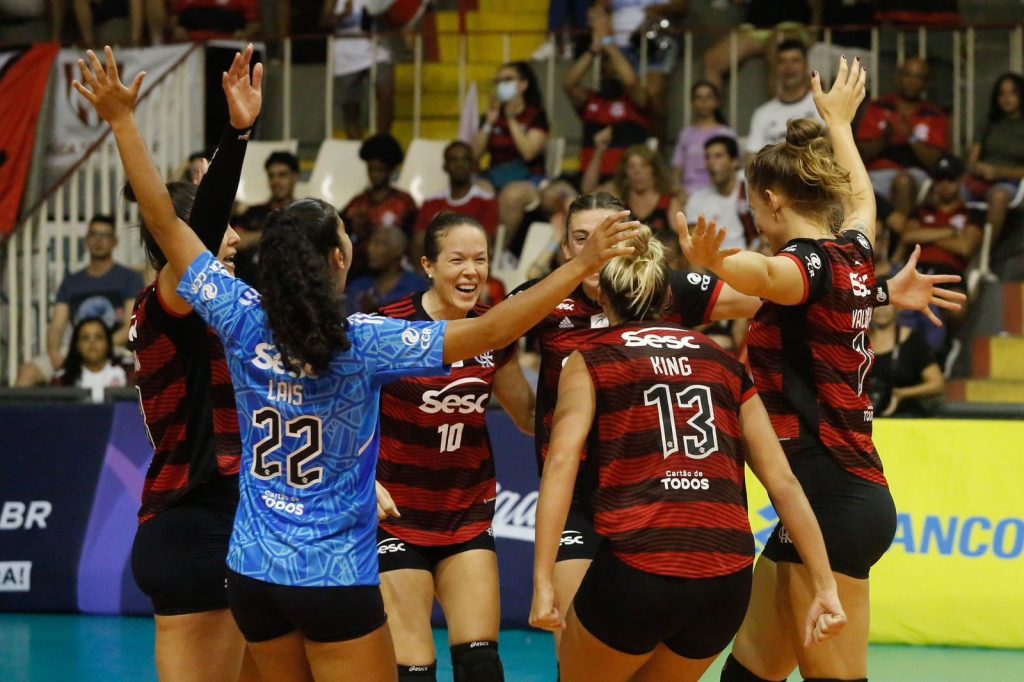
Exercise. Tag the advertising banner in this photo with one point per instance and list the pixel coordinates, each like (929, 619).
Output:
(76, 125)
(51, 461)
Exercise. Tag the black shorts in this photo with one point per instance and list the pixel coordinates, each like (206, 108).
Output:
(579, 539)
(179, 558)
(633, 611)
(394, 554)
(264, 611)
(857, 517)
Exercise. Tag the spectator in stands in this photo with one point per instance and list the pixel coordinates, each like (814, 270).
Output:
(389, 281)
(722, 201)
(103, 289)
(194, 167)
(380, 205)
(354, 57)
(462, 196)
(92, 13)
(902, 136)
(621, 104)
(644, 184)
(837, 14)
(949, 234)
(688, 160)
(768, 25)
(31, 21)
(564, 17)
(282, 174)
(210, 19)
(515, 133)
(91, 362)
(794, 99)
(905, 371)
(996, 162)
(631, 19)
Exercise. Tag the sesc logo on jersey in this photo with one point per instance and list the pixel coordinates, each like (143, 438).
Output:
(649, 338)
(446, 400)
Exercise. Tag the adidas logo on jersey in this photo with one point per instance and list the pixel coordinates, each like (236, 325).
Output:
(566, 323)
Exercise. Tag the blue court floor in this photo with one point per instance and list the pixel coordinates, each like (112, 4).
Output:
(67, 647)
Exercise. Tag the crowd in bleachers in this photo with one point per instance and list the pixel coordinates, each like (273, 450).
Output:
(499, 172)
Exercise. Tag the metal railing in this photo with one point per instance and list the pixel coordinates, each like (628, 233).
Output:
(49, 242)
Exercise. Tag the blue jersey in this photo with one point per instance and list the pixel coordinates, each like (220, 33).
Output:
(307, 513)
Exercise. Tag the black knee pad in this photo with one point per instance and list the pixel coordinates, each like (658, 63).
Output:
(417, 673)
(477, 662)
(734, 671)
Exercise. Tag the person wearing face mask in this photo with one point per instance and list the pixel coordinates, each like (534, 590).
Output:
(905, 370)
(618, 110)
(436, 461)
(381, 204)
(514, 134)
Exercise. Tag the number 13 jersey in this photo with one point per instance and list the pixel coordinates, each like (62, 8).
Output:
(666, 436)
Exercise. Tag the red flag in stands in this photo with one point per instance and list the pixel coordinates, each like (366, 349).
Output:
(23, 77)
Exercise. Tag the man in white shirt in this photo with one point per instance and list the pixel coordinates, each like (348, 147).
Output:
(723, 200)
(794, 100)
(354, 55)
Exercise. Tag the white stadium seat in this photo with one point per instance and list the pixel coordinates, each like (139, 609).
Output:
(252, 186)
(339, 173)
(422, 173)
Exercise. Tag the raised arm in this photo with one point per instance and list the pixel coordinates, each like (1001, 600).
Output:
(838, 108)
(768, 461)
(115, 103)
(573, 418)
(513, 317)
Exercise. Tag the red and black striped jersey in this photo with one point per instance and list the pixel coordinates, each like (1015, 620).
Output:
(435, 453)
(187, 402)
(811, 361)
(668, 445)
(578, 319)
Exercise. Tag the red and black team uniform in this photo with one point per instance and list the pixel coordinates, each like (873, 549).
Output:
(571, 326)
(811, 363)
(670, 502)
(188, 403)
(435, 457)
(630, 125)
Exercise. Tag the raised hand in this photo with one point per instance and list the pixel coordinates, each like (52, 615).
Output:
(825, 617)
(912, 290)
(840, 104)
(245, 97)
(703, 249)
(110, 97)
(608, 241)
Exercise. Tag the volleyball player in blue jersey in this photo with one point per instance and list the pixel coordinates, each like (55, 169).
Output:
(303, 581)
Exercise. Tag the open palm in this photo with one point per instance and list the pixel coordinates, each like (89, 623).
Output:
(245, 97)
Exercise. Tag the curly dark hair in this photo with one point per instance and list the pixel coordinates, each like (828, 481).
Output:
(183, 195)
(300, 296)
(382, 147)
(73, 362)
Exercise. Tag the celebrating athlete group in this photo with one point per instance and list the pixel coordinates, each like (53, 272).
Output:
(291, 442)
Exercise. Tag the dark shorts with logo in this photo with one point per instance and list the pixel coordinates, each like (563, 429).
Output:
(394, 554)
(265, 611)
(857, 517)
(634, 611)
(579, 539)
(179, 556)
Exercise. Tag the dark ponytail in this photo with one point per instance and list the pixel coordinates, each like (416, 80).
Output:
(183, 195)
(300, 294)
